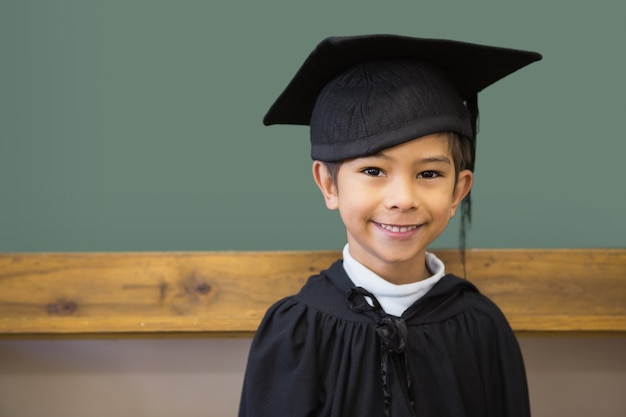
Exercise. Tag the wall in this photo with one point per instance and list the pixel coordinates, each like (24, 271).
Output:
(136, 126)
(569, 377)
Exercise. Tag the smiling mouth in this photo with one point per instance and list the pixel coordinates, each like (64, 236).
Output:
(397, 229)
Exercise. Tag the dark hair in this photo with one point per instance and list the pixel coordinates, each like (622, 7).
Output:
(461, 151)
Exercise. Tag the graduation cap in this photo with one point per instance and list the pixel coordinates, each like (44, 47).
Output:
(362, 94)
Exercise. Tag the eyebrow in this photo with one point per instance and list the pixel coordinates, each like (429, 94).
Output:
(441, 159)
(438, 159)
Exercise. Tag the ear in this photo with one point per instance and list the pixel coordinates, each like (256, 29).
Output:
(461, 189)
(326, 184)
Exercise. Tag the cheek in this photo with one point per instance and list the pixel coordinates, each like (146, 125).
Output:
(349, 206)
(353, 204)
(441, 204)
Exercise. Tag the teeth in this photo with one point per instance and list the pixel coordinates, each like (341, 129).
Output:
(397, 229)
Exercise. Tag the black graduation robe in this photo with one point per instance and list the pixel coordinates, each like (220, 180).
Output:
(327, 352)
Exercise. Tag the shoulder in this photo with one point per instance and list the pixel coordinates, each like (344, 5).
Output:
(453, 296)
(322, 298)
(486, 317)
(326, 294)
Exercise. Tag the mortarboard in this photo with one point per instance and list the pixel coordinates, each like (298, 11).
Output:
(362, 94)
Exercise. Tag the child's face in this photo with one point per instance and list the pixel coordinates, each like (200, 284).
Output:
(395, 203)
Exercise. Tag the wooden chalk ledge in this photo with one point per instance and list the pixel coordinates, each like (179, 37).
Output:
(227, 293)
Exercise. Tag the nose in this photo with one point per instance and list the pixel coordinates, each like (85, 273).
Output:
(402, 194)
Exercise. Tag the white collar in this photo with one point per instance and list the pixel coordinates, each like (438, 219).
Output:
(394, 299)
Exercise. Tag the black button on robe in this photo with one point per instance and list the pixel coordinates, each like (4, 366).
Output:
(314, 355)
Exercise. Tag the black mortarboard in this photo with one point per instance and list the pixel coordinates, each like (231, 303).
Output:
(362, 94)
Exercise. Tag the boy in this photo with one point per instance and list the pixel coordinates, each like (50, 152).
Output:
(385, 331)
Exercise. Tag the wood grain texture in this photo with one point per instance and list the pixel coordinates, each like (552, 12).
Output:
(227, 293)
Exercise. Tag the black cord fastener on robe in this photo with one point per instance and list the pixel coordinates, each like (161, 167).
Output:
(392, 332)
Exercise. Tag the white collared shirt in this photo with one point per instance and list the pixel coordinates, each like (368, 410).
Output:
(394, 299)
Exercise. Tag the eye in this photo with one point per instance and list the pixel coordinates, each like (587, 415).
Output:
(373, 172)
(429, 174)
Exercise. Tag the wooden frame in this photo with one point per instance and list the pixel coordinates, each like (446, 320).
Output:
(227, 293)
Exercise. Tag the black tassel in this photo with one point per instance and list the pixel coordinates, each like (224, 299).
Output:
(466, 204)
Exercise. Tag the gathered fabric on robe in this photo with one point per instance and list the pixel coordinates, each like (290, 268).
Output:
(327, 352)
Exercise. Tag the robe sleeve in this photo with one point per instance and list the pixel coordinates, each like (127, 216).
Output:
(503, 371)
(282, 366)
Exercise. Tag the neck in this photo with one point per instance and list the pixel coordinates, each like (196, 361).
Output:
(400, 273)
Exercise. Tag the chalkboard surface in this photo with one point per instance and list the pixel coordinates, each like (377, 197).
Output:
(136, 125)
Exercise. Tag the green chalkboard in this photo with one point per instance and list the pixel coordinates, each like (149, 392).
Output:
(136, 125)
